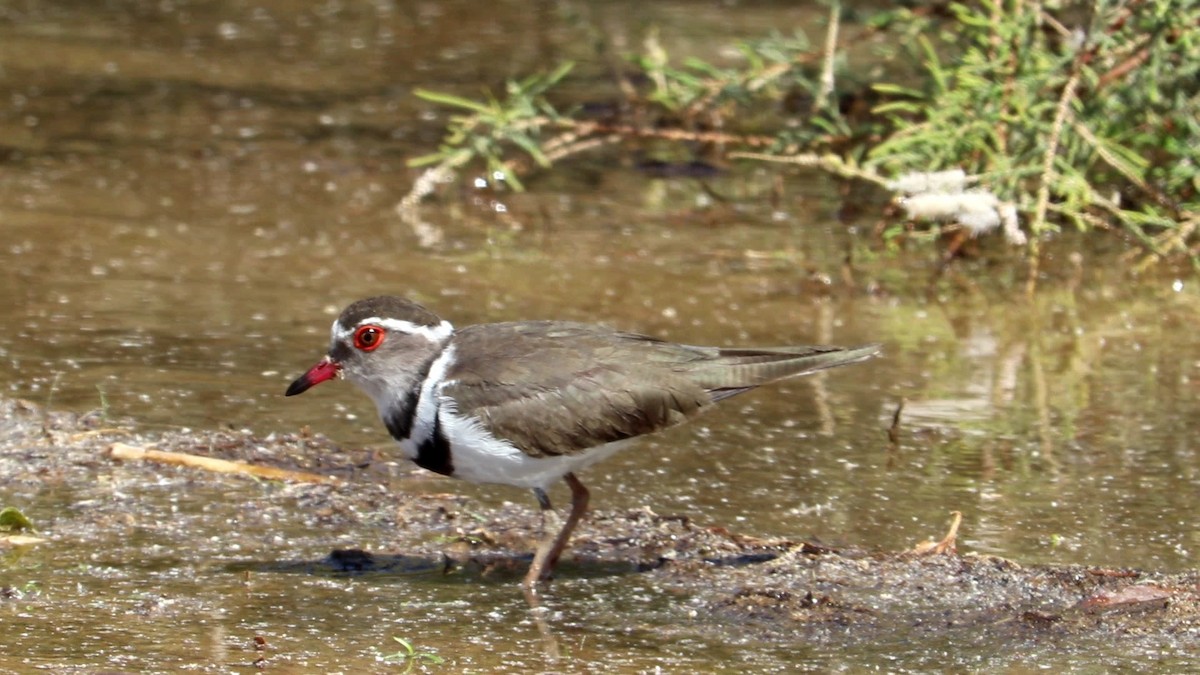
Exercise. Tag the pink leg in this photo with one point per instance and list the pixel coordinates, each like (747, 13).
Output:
(552, 547)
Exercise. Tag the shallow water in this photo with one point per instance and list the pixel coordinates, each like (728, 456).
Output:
(188, 194)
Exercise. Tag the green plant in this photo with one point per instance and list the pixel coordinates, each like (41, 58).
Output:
(104, 409)
(1093, 127)
(410, 657)
(29, 589)
(684, 103)
(489, 129)
(1029, 116)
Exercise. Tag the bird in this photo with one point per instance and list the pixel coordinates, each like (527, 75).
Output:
(528, 403)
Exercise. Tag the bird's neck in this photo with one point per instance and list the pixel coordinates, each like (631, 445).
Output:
(409, 409)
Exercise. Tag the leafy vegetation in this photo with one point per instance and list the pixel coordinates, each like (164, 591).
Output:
(409, 657)
(1091, 126)
(492, 127)
(1032, 116)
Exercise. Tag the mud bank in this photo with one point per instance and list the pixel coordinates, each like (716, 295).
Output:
(58, 468)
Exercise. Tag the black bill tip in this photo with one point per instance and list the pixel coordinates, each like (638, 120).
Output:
(300, 386)
(326, 369)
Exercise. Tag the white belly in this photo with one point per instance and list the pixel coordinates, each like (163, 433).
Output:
(479, 457)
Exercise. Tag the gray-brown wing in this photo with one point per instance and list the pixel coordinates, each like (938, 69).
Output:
(735, 370)
(554, 388)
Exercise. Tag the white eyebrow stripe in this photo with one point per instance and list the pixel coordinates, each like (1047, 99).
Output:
(436, 333)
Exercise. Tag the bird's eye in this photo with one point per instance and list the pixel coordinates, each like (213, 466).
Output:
(367, 338)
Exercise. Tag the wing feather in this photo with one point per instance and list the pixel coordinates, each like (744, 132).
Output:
(556, 388)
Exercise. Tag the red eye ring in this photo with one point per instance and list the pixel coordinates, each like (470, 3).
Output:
(368, 338)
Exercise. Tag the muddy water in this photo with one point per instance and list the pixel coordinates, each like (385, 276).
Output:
(189, 193)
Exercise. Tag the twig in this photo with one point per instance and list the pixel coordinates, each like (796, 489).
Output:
(716, 137)
(1104, 154)
(568, 149)
(76, 437)
(427, 182)
(825, 91)
(829, 163)
(947, 542)
(1048, 176)
(127, 452)
(1119, 71)
(19, 540)
(894, 430)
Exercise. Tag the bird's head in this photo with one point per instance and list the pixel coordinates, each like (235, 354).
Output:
(380, 344)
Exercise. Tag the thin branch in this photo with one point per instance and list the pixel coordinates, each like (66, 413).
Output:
(825, 91)
(1120, 167)
(828, 163)
(1049, 175)
(1048, 171)
(133, 452)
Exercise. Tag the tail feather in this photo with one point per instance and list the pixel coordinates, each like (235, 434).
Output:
(734, 371)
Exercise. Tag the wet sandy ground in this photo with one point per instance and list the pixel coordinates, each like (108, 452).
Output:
(730, 587)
